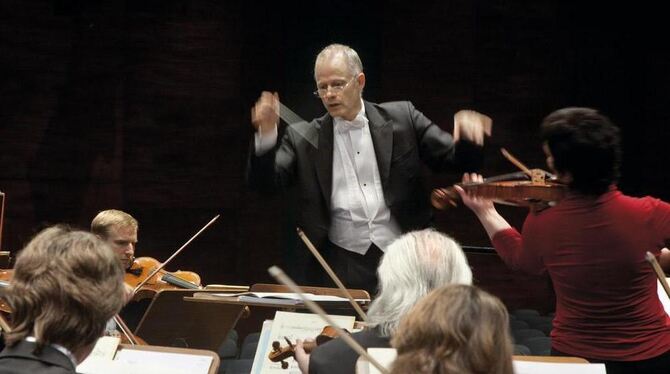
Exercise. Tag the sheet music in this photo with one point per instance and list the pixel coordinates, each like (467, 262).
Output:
(534, 367)
(263, 341)
(385, 356)
(293, 326)
(103, 352)
(171, 362)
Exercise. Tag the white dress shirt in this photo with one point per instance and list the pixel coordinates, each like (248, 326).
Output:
(359, 215)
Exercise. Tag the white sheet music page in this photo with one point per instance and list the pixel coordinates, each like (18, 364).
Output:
(294, 326)
(171, 362)
(534, 367)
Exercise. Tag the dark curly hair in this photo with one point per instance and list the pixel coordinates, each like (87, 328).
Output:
(585, 144)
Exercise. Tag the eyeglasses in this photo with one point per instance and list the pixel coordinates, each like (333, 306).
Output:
(336, 88)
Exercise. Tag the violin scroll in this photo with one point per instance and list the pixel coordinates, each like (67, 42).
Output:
(280, 354)
(444, 198)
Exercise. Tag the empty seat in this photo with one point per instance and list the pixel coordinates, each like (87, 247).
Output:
(518, 325)
(521, 350)
(241, 366)
(539, 346)
(232, 335)
(521, 313)
(536, 320)
(523, 334)
(254, 337)
(228, 349)
(248, 350)
(545, 327)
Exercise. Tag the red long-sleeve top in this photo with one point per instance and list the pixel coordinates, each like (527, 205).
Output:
(607, 306)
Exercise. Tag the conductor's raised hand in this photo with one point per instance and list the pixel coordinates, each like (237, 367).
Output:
(472, 126)
(265, 113)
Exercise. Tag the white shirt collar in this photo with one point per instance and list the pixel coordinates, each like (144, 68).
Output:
(59, 348)
(359, 115)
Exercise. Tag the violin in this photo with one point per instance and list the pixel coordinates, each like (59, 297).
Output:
(5, 276)
(538, 190)
(143, 267)
(280, 354)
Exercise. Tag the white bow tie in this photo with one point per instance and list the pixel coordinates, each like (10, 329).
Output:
(357, 123)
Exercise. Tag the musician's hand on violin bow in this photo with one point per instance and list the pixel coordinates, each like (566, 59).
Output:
(475, 203)
(492, 221)
(301, 357)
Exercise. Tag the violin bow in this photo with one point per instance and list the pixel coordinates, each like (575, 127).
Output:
(4, 325)
(331, 273)
(137, 288)
(284, 279)
(651, 259)
(125, 329)
(516, 162)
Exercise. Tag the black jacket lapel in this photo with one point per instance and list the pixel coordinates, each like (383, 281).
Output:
(324, 156)
(382, 138)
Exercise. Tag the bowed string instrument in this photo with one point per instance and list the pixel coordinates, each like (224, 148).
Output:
(284, 279)
(329, 332)
(147, 274)
(533, 188)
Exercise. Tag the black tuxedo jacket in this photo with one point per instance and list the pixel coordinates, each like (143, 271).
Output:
(20, 359)
(404, 140)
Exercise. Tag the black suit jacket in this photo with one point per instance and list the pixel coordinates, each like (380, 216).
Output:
(404, 140)
(20, 359)
(337, 357)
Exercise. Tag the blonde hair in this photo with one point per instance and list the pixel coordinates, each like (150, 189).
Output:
(111, 218)
(66, 286)
(413, 265)
(455, 329)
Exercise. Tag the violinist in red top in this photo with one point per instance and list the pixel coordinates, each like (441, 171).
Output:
(592, 244)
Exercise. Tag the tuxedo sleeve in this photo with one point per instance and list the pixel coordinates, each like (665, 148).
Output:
(274, 169)
(438, 149)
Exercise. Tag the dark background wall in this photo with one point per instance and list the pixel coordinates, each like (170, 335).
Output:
(144, 105)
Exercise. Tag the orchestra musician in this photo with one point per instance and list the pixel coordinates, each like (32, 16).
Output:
(66, 285)
(454, 329)
(119, 230)
(592, 244)
(358, 167)
(412, 266)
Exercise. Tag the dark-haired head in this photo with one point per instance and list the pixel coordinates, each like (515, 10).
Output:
(583, 146)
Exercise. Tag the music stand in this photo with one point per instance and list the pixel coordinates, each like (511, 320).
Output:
(171, 321)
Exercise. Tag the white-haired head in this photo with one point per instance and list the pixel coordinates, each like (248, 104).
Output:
(351, 57)
(413, 265)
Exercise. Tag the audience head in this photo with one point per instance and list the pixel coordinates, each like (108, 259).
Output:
(413, 265)
(583, 145)
(119, 230)
(455, 329)
(66, 285)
